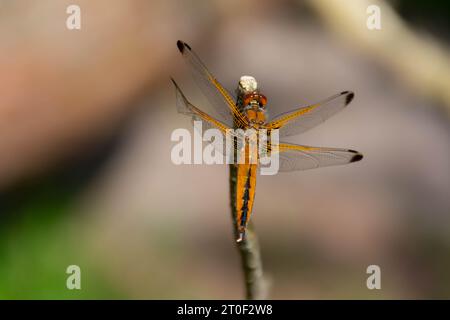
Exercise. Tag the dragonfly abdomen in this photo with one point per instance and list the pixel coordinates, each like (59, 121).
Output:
(245, 194)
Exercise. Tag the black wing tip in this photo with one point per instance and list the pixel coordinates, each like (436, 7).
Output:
(357, 157)
(349, 96)
(182, 45)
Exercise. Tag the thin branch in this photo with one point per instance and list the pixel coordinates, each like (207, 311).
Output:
(255, 283)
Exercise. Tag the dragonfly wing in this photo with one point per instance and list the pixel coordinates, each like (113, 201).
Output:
(207, 122)
(221, 100)
(187, 108)
(302, 119)
(297, 157)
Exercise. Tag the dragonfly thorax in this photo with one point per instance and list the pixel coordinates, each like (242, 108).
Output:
(255, 114)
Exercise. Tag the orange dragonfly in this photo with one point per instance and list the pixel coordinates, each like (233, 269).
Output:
(249, 111)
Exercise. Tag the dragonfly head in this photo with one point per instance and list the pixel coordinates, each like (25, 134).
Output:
(248, 91)
(253, 103)
(255, 100)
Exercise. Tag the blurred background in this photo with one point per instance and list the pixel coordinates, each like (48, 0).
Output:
(85, 170)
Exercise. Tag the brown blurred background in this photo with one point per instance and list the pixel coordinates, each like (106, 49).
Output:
(85, 171)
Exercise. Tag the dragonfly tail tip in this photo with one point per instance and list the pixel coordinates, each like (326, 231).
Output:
(241, 237)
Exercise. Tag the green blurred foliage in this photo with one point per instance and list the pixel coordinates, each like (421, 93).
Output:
(37, 246)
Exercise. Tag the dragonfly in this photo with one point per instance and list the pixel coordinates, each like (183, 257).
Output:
(249, 110)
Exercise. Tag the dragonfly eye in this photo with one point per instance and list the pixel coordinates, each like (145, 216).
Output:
(262, 100)
(247, 99)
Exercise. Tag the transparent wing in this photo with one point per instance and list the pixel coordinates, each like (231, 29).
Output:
(220, 99)
(297, 157)
(302, 119)
(187, 108)
(220, 144)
